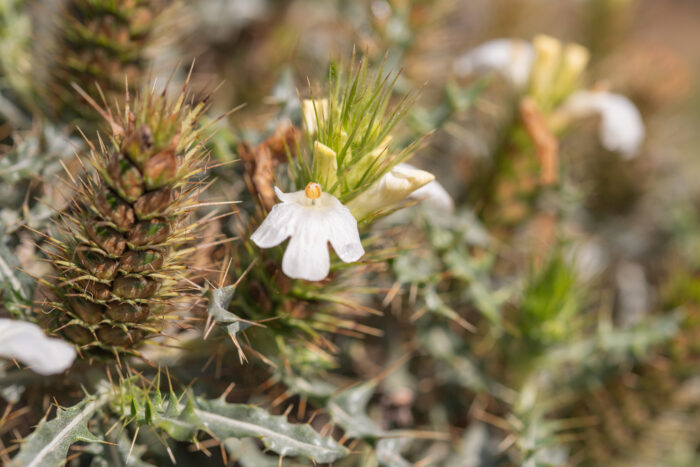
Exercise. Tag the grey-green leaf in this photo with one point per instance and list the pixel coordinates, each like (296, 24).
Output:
(48, 445)
(226, 420)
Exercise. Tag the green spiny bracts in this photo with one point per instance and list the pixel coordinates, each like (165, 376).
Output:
(99, 43)
(121, 256)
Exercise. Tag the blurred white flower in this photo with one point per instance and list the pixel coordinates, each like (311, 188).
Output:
(621, 126)
(395, 186)
(312, 219)
(432, 193)
(27, 343)
(513, 58)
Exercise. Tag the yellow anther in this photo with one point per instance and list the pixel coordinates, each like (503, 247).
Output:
(312, 190)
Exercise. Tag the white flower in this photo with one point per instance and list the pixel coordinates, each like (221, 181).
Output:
(432, 193)
(27, 343)
(394, 187)
(513, 58)
(621, 126)
(312, 219)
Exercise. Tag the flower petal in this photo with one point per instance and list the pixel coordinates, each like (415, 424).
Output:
(513, 58)
(344, 236)
(621, 126)
(27, 343)
(278, 225)
(435, 195)
(307, 254)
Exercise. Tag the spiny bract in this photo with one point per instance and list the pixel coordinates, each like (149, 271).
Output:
(121, 254)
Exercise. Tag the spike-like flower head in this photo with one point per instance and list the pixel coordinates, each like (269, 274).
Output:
(121, 255)
(95, 43)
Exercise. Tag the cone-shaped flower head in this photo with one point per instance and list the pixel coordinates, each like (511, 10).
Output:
(511, 57)
(621, 126)
(311, 218)
(27, 343)
(393, 188)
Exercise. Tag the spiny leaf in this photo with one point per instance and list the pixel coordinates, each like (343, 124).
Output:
(183, 420)
(219, 301)
(48, 445)
(237, 420)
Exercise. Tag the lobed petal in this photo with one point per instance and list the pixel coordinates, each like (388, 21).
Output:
(307, 254)
(344, 236)
(279, 225)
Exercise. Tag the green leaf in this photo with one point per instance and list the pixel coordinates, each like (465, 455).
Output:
(348, 410)
(48, 445)
(226, 420)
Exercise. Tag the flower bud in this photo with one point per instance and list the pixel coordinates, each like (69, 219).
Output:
(325, 165)
(547, 61)
(573, 65)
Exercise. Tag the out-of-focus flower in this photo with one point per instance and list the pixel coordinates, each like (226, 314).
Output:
(312, 219)
(432, 193)
(394, 187)
(552, 69)
(621, 126)
(27, 343)
(513, 58)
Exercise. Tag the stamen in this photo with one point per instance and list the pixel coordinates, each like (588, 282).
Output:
(312, 190)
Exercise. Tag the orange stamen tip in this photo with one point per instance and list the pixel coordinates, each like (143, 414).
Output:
(312, 190)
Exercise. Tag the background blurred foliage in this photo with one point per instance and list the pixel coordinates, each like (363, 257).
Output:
(536, 325)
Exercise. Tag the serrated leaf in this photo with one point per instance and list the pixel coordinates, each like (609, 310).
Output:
(226, 420)
(348, 410)
(48, 445)
(219, 301)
